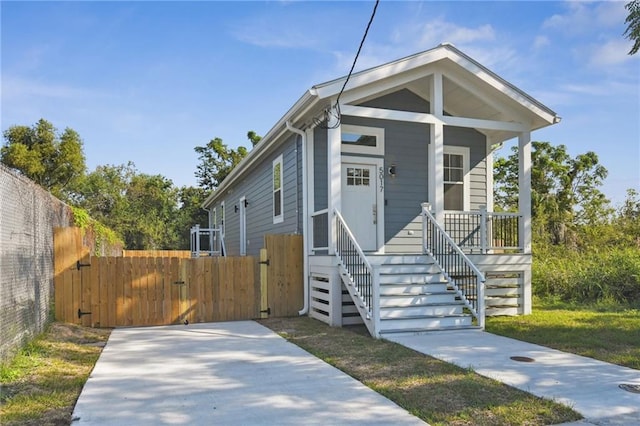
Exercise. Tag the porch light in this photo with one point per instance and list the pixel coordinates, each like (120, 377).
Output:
(246, 202)
(392, 171)
(235, 208)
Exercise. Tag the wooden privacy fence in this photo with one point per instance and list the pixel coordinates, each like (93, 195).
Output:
(138, 291)
(156, 253)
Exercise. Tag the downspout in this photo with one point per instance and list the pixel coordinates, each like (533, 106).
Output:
(305, 222)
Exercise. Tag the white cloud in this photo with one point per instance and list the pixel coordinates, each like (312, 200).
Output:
(612, 52)
(283, 37)
(586, 17)
(540, 42)
(20, 88)
(432, 33)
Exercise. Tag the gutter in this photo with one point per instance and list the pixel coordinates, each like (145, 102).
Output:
(305, 222)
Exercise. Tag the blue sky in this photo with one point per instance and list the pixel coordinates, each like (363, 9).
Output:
(149, 81)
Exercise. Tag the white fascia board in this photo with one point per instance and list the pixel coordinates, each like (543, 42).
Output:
(502, 85)
(381, 72)
(303, 105)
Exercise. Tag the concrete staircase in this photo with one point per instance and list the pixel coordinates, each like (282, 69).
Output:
(416, 297)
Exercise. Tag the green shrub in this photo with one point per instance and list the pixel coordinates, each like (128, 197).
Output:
(587, 277)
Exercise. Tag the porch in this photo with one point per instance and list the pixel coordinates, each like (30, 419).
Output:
(473, 268)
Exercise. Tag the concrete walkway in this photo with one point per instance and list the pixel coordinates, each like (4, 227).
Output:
(588, 386)
(234, 373)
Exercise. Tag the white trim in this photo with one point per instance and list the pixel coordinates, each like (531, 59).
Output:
(489, 175)
(214, 218)
(420, 117)
(243, 225)
(334, 184)
(277, 218)
(466, 181)
(524, 192)
(223, 216)
(378, 132)
(379, 165)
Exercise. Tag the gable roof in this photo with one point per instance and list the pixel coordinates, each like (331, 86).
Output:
(460, 72)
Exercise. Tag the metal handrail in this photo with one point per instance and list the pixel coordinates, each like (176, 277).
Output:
(363, 276)
(453, 257)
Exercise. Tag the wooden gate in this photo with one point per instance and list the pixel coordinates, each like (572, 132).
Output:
(138, 291)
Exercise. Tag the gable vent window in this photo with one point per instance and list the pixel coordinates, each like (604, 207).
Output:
(278, 198)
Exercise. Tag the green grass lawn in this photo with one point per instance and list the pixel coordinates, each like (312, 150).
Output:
(608, 333)
(42, 382)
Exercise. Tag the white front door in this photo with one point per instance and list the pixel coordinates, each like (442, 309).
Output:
(360, 203)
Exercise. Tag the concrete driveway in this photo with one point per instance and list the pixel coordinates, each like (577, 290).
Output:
(233, 373)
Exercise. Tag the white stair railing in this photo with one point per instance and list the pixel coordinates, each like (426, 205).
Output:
(459, 270)
(214, 242)
(363, 278)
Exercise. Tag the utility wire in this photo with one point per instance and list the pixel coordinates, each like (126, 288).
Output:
(337, 105)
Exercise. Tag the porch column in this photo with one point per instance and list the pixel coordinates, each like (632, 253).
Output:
(524, 189)
(334, 184)
(436, 151)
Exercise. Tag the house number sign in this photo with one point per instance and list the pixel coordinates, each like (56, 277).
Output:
(381, 176)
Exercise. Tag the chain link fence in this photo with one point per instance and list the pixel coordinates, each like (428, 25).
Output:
(28, 214)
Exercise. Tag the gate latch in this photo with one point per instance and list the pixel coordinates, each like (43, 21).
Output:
(264, 262)
(267, 311)
(80, 313)
(81, 265)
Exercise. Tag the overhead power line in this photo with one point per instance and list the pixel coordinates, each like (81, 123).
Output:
(337, 113)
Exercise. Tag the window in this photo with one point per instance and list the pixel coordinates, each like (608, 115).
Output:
(362, 140)
(357, 176)
(456, 181)
(278, 199)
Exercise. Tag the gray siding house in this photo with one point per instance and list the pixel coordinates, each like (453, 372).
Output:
(390, 183)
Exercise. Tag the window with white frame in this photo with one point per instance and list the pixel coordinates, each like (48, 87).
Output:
(362, 140)
(456, 178)
(278, 196)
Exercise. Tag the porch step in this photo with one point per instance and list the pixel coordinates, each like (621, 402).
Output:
(388, 325)
(415, 296)
(422, 330)
(430, 309)
(411, 277)
(394, 289)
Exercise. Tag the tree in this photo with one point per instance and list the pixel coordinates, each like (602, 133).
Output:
(152, 213)
(564, 194)
(217, 160)
(141, 208)
(54, 161)
(633, 29)
(190, 213)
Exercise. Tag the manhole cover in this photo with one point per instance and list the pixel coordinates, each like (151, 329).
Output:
(522, 359)
(629, 388)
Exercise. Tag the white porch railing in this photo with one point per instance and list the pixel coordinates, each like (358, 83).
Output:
(485, 232)
(459, 270)
(207, 242)
(363, 278)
